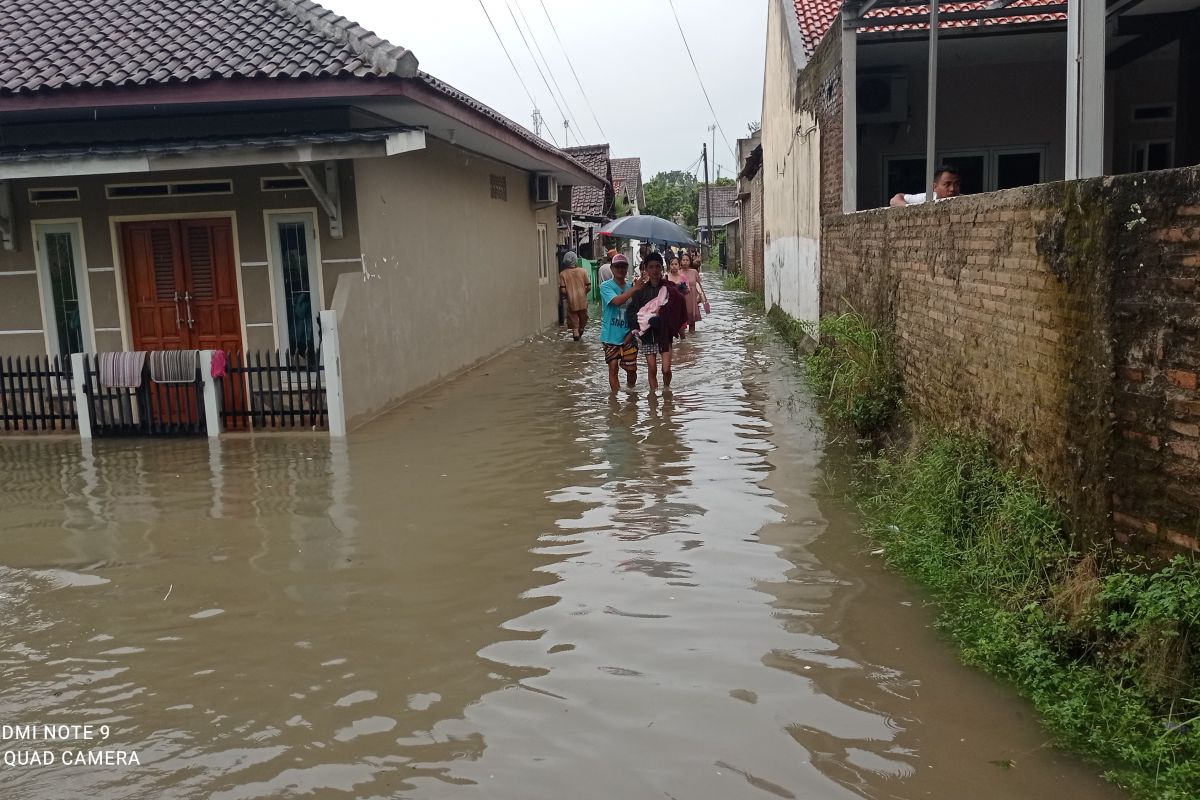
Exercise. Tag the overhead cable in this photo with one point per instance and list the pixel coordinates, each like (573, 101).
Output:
(570, 64)
(570, 113)
(536, 65)
(701, 80)
(516, 71)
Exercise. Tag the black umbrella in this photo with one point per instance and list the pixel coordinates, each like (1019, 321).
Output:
(646, 228)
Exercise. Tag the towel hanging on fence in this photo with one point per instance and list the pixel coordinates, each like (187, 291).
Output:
(122, 370)
(220, 364)
(174, 366)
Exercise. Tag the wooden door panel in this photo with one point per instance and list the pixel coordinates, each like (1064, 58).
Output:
(212, 284)
(154, 277)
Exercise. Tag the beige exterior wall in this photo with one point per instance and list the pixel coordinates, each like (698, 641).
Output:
(791, 143)
(21, 279)
(451, 275)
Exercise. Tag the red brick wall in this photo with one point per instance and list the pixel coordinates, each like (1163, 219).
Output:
(752, 237)
(1062, 322)
(821, 92)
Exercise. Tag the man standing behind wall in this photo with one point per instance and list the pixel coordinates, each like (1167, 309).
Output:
(946, 183)
(574, 284)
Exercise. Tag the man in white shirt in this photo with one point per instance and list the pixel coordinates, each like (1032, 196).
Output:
(946, 183)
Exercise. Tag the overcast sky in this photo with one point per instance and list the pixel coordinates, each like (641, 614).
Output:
(629, 56)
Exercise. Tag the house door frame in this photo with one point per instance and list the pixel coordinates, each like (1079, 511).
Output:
(119, 266)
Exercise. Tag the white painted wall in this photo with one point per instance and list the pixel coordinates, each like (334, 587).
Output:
(791, 177)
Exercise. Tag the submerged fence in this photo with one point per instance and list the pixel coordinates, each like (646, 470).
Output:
(37, 393)
(149, 409)
(274, 389)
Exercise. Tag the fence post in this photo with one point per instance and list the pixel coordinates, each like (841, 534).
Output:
(331, 359)
(212, 409)
(83, 411)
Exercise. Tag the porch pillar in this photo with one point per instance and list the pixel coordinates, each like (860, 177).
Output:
(931, 164)
(332, 362)
(849, 117)
(1085, 89)
(212, 409)
(1187, 105)
(83, 412)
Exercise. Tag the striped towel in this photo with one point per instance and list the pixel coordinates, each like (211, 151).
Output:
(174, 366)
(122, 370)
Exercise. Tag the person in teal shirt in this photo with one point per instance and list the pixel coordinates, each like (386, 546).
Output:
(620, 345)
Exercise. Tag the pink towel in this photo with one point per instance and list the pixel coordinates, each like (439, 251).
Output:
(220, 364)
(122, 370)
(650, 309)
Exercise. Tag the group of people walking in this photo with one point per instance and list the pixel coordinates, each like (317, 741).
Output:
(643, 315)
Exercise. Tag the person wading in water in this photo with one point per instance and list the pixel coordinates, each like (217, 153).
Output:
(620, 348)
(668, 320)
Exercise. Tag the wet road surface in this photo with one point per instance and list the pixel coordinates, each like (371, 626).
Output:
(515, 586)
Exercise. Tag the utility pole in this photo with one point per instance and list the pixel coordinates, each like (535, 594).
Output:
(537, 123)
(566, 132)
(707, 196)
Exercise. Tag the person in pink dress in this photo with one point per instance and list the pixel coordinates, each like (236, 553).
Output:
(675, 275)
(695, 295)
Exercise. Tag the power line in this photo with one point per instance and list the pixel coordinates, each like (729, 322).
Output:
(570, 112)
(534, 60)
(570, 64)
(516, 71)
(698, 78)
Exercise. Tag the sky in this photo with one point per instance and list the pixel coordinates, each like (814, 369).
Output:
(629, 57)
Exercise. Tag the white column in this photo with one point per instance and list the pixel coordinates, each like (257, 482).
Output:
(1085, 89)
(212, 408)
(931, 164)
(82, 412)
(332, 361)
(849, 118)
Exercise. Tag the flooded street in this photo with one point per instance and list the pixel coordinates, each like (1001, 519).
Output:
(513, 587)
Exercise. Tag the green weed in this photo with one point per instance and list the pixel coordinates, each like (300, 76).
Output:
(1106, 651)
(853, 369)
(735, 282)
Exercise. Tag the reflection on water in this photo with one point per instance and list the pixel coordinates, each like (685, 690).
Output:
(516, 586)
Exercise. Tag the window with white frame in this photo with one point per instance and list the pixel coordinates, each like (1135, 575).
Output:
(543, 253)
(62, 275)
(1151, 154)
(296, 281)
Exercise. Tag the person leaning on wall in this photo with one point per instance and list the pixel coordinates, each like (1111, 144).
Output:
(947, 183)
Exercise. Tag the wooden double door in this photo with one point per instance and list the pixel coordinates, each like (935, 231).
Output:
(181, 281)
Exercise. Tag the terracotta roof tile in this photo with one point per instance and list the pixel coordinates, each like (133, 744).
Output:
(816, 17)
(627, 175)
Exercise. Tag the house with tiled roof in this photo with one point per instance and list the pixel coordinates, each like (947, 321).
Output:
(627, 182)
(221, 175)
(587, 207)
(1021, 98)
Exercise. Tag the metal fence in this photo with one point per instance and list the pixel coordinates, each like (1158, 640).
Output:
(274, 389)
(37, 394)
(150, 409)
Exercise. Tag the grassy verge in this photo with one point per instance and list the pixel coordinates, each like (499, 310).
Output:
(736, 282)
(1106, 647)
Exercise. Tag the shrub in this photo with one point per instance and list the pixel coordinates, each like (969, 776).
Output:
(853, 370)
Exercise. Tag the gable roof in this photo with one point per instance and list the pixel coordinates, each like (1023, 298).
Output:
(591, 201)
(724, 206)
(816, 17)
(627, 173)
(50, 44)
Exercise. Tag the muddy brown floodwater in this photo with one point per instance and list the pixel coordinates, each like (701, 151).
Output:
(514, 587)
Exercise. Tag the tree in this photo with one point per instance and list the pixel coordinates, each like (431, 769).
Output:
(724, 182)
(668, 193)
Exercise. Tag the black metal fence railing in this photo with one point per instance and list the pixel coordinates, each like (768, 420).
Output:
(274, 389)
(37, 393)
(150, 409)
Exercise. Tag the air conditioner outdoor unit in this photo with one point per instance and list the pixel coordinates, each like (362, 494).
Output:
(882, 97)
(544, 189)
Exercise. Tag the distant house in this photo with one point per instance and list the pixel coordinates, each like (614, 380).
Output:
(589, 205)
(724, 210)
(749, 242)
(845, 106)
(212, 175)
(627, 182)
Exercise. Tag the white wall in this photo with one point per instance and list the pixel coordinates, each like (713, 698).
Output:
(791, 177)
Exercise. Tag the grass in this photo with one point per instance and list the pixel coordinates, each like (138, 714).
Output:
(853, 370)
(735, 282)
(1105, 648)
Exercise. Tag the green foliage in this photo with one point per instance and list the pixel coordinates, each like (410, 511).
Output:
(668, 193)
(621, 206)
(735, 282)
(1108, 658)
(853, 369)
(723, 182)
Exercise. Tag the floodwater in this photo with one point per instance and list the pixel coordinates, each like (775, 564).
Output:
(514, 587)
